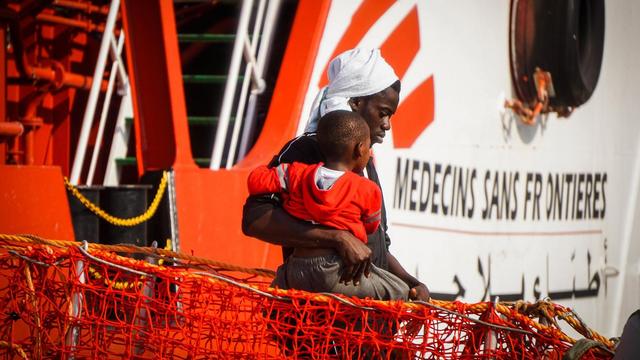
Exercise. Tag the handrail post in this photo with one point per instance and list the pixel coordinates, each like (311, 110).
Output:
(94, 93)
(230, 88)
(250, 73)
(143, 318)
(75, 309)
(263, 53)
(105, 107)
(120, 140)
(491, 338)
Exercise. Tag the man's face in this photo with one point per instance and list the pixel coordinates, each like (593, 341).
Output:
(377, 111)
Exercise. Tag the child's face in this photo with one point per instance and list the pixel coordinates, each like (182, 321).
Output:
(365, 154)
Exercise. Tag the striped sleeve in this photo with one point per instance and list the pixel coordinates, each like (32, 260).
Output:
(283, 176)
(372, 213)
(264, 180)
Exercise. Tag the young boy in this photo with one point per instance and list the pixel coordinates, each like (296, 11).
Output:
(336, 195)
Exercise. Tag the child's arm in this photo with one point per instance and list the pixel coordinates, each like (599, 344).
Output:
(373, 210)
(264, 180)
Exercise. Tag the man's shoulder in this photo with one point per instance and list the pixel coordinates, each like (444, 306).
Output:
(303, 149)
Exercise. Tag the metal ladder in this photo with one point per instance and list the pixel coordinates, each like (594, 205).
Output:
(231, 127)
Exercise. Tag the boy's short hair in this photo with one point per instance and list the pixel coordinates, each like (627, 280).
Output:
(339, 131)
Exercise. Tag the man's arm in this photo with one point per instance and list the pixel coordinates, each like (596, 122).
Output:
(419, 291)
(264, 220)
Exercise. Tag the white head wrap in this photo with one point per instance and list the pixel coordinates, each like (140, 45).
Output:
(354, 73)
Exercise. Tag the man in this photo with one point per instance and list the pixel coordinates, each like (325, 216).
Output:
(629, 345)
(360, 80)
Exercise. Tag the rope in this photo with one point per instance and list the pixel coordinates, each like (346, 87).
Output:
(14, 347)
(551, 311)
(121, 285)
(517, 311)
(32, 239)
(136, 220)
(527, 113)
(118, 285)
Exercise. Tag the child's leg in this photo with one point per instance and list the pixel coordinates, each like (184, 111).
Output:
(313, 274)
(380, 285)
(322, 274)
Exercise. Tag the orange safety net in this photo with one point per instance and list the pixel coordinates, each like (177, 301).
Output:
(59, 300)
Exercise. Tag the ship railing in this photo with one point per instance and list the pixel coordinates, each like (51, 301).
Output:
(109, 46)
(255, 51)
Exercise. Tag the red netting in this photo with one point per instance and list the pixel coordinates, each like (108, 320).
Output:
(58, 302)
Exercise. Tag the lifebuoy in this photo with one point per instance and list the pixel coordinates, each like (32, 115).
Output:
(562, 37)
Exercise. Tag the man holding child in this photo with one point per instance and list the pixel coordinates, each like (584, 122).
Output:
(360, 81)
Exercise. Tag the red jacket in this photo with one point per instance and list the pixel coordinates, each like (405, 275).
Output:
(352, 203)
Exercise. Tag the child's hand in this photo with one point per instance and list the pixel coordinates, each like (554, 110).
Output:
(356, 256)
(419, 292)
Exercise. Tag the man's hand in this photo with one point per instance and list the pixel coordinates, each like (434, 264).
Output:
(419, 292)
(356, 256)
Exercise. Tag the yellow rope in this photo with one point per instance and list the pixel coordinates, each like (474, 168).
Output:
(123, 285)
(136, 220)
(14, 347)
(118, 285)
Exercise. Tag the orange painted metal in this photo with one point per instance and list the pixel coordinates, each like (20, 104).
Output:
(11, 128)
(29, 144)
(3, 91)
(32, 122)
(60, 77)
(85, 6)
(13, 152)
(41, 90)
(55, 139)
(33, 201)
(86, 25)
(56, 73)
(162, 134)
(174, 73)
(210, 203)
(209, 207)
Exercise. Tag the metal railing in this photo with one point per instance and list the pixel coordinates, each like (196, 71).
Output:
(108, 46)
(94, 93)
(253, 74)
(117, 67)
(252, 51)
